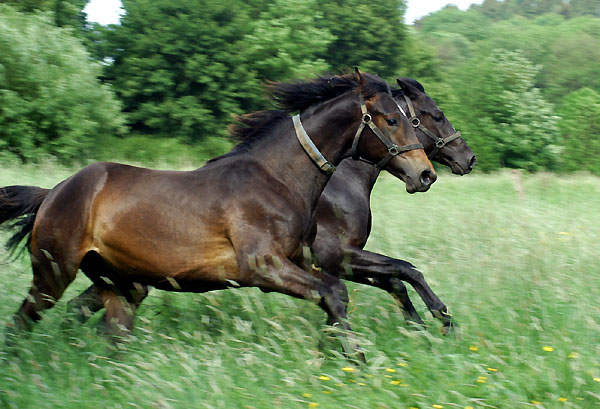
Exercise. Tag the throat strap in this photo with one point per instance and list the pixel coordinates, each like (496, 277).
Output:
(310, 148)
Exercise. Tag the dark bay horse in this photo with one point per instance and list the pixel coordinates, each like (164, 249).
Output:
(344, 212)
(244, 219)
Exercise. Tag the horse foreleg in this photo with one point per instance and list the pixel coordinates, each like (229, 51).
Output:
(271, 273)
(386, 273)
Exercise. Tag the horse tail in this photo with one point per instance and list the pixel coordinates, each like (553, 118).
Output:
(19, 206)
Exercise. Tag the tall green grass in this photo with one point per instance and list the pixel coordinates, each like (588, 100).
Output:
(515, 257)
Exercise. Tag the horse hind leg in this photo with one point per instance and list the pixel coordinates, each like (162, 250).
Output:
(50, 279)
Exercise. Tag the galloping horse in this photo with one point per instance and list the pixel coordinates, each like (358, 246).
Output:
(243, 219)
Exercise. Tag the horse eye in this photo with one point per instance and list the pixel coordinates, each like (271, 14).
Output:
(438, 118)
(392, 122)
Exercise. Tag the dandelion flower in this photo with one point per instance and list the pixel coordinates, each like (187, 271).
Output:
(562, 399)
(312, 404)
(361, 383)
(395, 382)
(438, 406)
(306, 395)
(324, 378)
(468, 407)
(547, 348)
(473, 348)
(492, 369)
(481, 379)
(348, 369)
(596, 379)
(390, 370)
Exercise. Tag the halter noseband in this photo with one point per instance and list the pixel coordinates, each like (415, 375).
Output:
(326, 166)
(416, 123)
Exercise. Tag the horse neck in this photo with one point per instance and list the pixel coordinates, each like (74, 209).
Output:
(362, 176)
(331, 126)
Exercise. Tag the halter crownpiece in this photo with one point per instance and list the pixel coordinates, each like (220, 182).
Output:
(310, 148)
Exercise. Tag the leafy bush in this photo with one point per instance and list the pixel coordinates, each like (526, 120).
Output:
(51, 102)
(579, 128)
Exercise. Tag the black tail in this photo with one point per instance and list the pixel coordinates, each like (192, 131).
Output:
(19, 206)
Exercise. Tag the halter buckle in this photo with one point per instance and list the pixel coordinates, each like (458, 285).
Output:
(393, 150)
(366, 118)
(415, 122)
(440, 143)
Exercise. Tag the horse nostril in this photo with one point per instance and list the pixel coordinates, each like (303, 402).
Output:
(427, 178)
(472, 162)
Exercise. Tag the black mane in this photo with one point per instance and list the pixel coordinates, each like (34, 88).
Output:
(299, 95)
(292, 97)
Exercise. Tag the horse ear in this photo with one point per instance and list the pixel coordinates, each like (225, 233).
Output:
(412, 88)
(405, 87)
(357, 76)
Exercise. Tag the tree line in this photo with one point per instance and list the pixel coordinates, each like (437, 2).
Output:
(517, 77)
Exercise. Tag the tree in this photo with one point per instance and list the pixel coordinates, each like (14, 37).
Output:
(369, 35)
(580, 131)
(503, 116)
(51, 102)
(182, 69)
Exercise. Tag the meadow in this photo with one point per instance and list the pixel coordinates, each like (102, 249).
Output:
(514, 256)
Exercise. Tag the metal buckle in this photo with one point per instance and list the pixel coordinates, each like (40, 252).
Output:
(367, 118)
(440, 143)
(393, 150)
(415, 122)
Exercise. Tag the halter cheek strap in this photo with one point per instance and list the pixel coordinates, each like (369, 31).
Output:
(416, 123)
(392, 148)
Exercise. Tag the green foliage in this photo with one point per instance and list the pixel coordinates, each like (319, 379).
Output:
(505, 118)
(181, 70)
(369, 35)
(580, 129)
(66, 13)
(50, 100)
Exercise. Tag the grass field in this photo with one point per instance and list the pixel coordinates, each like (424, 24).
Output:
(516, 259)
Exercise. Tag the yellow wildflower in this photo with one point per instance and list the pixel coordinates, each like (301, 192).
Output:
(312, 404)
(438, 406)
(348, 369)
(535, 402)
(473, 348)
(360, 383)
(396, 382)
(402, 364)
(468, 407)
(390, 370)
(306, 395)
(327, 392)
(547, 349)
(481, 379)
(596, 379)
(323, 378)
(562, 399)
(492, 369)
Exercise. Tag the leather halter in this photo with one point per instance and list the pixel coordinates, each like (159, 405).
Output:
(416, 123)
(326, 166)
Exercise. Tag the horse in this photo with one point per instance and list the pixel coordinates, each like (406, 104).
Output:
(344, 213)
(242, 220)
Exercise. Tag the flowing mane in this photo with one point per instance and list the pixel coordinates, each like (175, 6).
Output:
(295, 96)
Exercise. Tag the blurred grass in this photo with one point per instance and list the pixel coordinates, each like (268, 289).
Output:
(515, 257)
